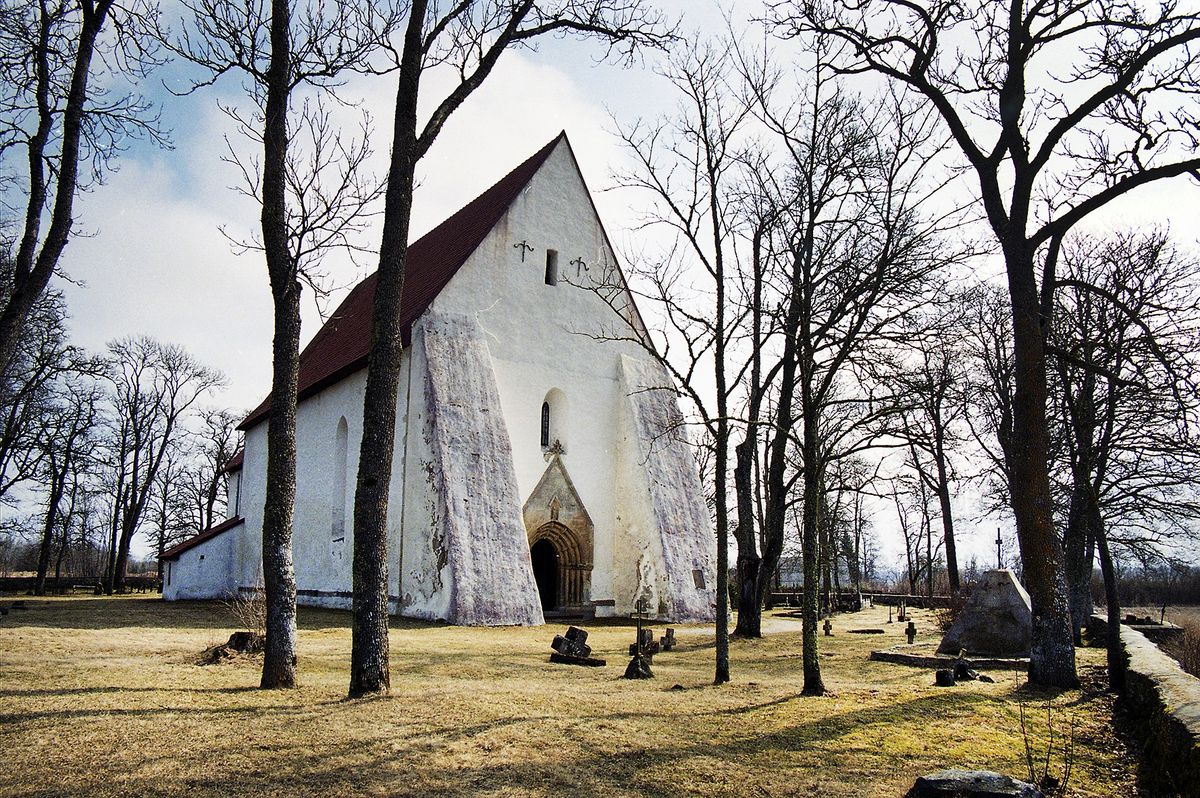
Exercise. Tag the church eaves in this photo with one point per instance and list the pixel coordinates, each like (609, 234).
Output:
(340, 347)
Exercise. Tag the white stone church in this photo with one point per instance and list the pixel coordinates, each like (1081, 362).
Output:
(538, 469)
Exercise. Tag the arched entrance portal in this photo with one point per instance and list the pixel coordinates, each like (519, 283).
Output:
(560, 542)
(545, 572)
(562, 572)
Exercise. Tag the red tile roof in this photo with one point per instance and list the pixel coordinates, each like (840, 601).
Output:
(194, 541)
(340, 347)
(235, 462)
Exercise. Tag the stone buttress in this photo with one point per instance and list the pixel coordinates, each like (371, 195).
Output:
(476, 504)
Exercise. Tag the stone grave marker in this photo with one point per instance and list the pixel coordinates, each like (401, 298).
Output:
(572, 649)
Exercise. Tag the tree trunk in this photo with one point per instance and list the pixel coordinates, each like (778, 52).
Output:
(813, 685)
(749, 619)
(1116, 657)
(943, 491)
(33, 268)
(56, 491)
(1052, 652)
(823, 552)
(279, 577)
(1078, 563)
(721, 675)
(1082, 422)
(121, 564)
(110, 560)
(929, 556)
(369, 653)
(835, 572)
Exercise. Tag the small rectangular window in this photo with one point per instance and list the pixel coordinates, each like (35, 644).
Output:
(551, 267)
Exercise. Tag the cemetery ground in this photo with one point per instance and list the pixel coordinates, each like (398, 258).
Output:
(103, 696)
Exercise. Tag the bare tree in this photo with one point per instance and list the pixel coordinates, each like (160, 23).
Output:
(932, 382)
(1047, 146)
(1128, 399)
(153, 386)
(469, 36)
(66, 438)
(315, 195)
(688, 165)
(63, 112)
(27, 388)
(861, 251)
(204, 482)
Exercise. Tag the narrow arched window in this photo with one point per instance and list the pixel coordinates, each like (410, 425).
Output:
(545, 423)
(338, 499)
(551, 267)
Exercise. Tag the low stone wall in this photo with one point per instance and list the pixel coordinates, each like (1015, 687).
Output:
(1165, 704)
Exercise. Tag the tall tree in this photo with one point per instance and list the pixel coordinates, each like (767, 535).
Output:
(861, 248)
(469, 36)
(315, 195)
(688, 164)
(1046, 146)
(153, 386)
(66, 438)
(1126, 315)
(64, 113)
(932, 382)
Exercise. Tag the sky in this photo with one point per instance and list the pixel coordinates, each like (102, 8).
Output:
(154, 260)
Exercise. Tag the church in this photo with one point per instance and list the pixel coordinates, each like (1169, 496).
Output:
(541, 464)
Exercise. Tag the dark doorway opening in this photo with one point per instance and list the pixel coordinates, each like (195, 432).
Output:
(545, 572)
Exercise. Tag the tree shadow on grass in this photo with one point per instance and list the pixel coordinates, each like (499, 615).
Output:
(400, 761)
(150, 612)
(99, 690)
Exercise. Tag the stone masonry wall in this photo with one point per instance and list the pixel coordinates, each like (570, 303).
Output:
(1165, 702)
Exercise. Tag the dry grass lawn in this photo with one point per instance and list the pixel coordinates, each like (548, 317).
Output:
(102, 696)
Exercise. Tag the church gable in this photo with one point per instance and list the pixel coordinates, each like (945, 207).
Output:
(555, 500)
(340, 347)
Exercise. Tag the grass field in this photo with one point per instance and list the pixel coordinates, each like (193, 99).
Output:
(102, 696)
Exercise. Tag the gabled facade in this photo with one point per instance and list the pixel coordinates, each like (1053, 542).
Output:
(537, 468)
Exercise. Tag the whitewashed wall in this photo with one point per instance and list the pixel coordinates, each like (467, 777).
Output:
(206, 571)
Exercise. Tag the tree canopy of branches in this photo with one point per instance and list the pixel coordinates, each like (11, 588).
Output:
(29, 388)
(64, 117)
(153, 385)
(1127, 313)
(1057, 109)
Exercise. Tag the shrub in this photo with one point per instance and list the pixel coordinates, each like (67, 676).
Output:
(249, 609)
(1185, 648)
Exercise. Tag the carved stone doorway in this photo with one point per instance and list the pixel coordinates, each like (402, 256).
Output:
(562, 573)
(560, 535)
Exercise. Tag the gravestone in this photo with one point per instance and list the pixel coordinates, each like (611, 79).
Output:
(572, 649)
(646, 645)
(638, 668)
(667, 641)
(996, 620)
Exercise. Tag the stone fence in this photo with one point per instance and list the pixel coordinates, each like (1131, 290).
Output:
(1164, 702)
